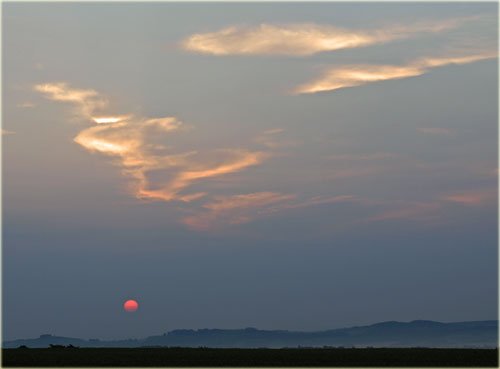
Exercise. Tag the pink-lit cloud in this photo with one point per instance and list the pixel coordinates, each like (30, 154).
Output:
(408, 211)
(314, 201)
(432, 210)
(472, 197)
(235, 209)
(239, 209)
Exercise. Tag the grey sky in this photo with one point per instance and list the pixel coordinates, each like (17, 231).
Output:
(255, 203)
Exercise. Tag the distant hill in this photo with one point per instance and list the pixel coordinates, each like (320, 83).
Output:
(418, 333)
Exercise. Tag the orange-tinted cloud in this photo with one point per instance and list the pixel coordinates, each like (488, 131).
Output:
(127, 139)
(6, 132)
(303, 39)
(192, 171)
(357, 75)
(87, 101)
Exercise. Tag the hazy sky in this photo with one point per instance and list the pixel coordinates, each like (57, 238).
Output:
(281, 166)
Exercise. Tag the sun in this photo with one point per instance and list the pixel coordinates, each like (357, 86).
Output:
(130, 306)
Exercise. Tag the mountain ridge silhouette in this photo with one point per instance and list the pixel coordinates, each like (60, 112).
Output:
(416, 333)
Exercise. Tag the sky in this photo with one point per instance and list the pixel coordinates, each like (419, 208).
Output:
(228, 165)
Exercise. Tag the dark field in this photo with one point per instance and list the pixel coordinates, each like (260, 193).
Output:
(205, 357)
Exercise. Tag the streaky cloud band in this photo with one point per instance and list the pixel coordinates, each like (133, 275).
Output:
(360, 74)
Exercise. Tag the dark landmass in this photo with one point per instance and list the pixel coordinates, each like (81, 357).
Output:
(210, 357)
(418, 333)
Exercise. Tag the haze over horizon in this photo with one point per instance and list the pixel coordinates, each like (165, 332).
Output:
(292, 166)
(416, 333)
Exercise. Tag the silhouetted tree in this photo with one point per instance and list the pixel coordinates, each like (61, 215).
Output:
(56, 346)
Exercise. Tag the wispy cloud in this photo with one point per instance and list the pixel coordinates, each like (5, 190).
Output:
(314, 201)
(273, 139)
(26, 105)
(239, 209)
(424, 211)
(127, 139)
(305, 39)
(191, 172)
(88, 102)
(432, 209)
(6, 132)
(356, 75)
(472, 197)
(235, 209)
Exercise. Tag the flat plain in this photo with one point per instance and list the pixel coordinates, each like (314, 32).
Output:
(213, 357)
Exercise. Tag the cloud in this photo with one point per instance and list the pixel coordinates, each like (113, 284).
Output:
(431, 210)
(357, 75)
(110, 119)
(235, 209)
(6, 133)
(472, 197)
(26, 105)
(240, 209)
(129, 140)
(88, 102)
(191, 172)
(435, 62)
(314, 201)
(304, 39)
(420, 211)
(272, 139)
